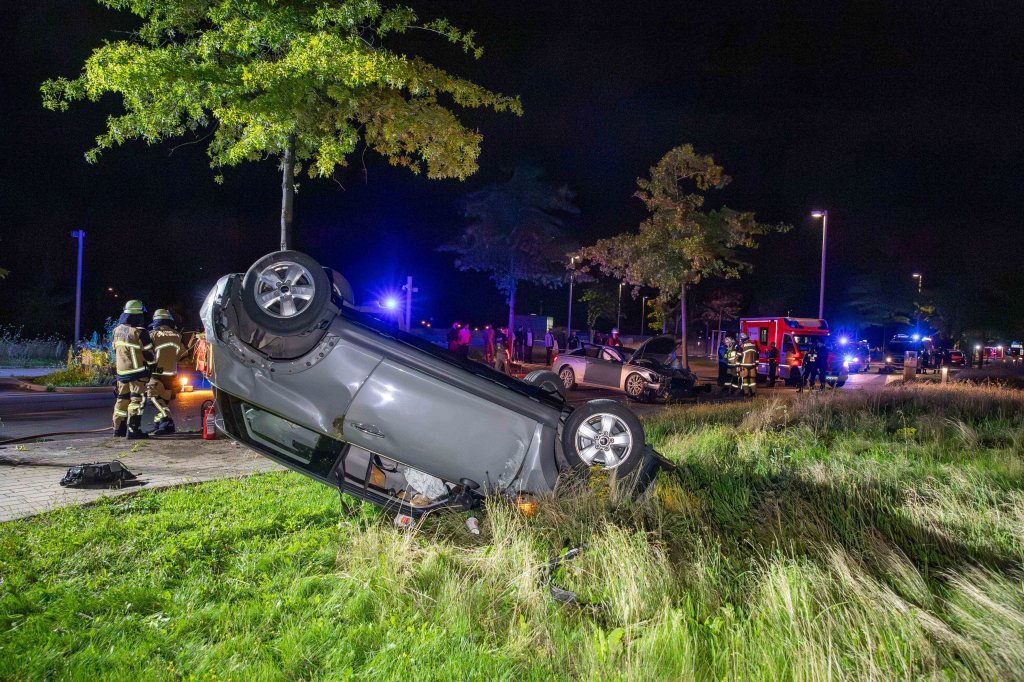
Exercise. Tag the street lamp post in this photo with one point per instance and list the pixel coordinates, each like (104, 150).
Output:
(572, 279)
(643, 319)
(618, 309)
(80, 236)
(409, 291)
(919, 278)
(824, 244)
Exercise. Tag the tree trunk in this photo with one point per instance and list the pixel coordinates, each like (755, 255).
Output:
(287, 192)
(682, 323)
(512, 311)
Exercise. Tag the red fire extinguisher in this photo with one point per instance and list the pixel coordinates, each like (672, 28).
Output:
(209, 415)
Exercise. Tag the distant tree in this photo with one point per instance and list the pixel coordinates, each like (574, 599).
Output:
(601, 302)
(882, 298)
(515, 233)
(305, 81)
(679, 244)
(721, 305)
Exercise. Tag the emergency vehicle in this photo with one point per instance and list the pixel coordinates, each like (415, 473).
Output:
(793, 336)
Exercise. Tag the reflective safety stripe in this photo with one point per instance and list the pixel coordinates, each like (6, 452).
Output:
(148, 346)
(167, 345)
(132, 371)
(126, 344)
(120, 413)
(164, 374)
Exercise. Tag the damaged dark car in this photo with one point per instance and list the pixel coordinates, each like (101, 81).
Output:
(307, 379)
(650, 373)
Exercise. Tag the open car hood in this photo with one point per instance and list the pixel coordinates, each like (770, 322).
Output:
(660, 349)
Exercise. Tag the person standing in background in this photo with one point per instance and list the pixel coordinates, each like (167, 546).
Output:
(464, 338)
(529, 345)
(773, 364)
(488, 344)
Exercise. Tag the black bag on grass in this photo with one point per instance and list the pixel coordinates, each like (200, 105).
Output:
(97, 473)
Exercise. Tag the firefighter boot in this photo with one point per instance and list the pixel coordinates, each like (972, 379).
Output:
(163, 427)
(121, 430)
(135, 431)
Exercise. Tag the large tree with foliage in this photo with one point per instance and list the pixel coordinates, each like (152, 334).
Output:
(602, 301)
(515, 232)
(720, 305)
(305, 81)
(680, 244)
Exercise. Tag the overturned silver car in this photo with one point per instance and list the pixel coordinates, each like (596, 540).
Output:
(306, 379)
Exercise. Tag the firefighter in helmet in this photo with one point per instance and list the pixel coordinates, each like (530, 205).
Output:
(167, 349)
(732, 382)
(133, 358)
(748, 366)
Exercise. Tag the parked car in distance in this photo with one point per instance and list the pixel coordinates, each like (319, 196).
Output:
(306, 379)
(645, 374)
(956, 358)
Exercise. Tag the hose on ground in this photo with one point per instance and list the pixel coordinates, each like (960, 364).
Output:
(20, 439)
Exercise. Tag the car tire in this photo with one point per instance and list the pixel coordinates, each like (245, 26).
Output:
(546, 380)
(568, 377)
(635, 386)
(269, 292)
(840, 384)
(605, 434)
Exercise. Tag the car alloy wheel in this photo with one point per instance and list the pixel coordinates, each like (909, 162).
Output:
(604, 439)
(568, 377)
(284, 289)
(635, 386)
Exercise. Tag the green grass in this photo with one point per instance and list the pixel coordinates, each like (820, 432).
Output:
(838, 536)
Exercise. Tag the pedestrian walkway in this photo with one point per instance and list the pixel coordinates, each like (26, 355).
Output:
(30, 474)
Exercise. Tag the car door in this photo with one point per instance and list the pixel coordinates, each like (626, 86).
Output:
(427, 423)
(605, 369)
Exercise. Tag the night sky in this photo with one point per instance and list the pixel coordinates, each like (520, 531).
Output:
(903, 119)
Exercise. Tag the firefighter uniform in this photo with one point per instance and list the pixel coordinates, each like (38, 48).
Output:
(748, 367)
(732, 358)
(167, 349)
(133, 356)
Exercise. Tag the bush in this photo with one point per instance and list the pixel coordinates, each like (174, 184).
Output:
(17, 350)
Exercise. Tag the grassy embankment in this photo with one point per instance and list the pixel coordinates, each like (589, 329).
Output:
(840, 536)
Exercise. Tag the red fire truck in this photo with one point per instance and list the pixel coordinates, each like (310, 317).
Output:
(793, 336)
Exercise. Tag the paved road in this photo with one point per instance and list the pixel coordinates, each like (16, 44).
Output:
(25, 413)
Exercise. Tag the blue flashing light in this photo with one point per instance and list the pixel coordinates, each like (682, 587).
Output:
(391, 303)
(843, 340)
(916, 337)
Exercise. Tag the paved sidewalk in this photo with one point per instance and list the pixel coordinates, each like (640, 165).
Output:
(30, 474)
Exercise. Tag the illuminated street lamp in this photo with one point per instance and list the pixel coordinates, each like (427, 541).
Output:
(824, 243)
(919, 278)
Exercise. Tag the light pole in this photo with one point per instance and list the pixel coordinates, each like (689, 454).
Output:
(618, 309)
(824, 244)
(643, 309)
(409, 291)
(80, 236)
(919, 278)
(572, 279)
